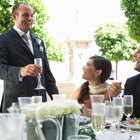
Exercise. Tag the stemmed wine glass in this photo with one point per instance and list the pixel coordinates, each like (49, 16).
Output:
(128, 110)
(38, 61)
(119, 102)
(98, 118)
(98, 113)
(128, 106)
(113, 116)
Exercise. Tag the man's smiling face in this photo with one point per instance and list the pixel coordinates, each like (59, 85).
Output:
(137, 58)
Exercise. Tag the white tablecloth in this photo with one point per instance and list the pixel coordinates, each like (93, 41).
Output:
(117, 135)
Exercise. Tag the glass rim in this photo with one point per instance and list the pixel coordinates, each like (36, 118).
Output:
(79, 136)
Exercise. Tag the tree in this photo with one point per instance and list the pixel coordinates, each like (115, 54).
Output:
(131, 10)
(115, 43)
(39, 27)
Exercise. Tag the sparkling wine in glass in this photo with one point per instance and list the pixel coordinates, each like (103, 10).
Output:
(38, 61)
(119, 102)
(128, 111)
(98, 117)
(128, 106)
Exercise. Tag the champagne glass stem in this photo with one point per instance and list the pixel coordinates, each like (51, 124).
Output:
(39, 85)
(38, 61)
(39, 79)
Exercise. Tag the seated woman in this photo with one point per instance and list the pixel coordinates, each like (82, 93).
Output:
(96, 72)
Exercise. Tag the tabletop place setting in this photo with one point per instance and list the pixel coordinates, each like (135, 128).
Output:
(60, 119)
(107, 118)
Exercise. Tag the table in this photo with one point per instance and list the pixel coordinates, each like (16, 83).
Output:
(117, 135)
(121, 134)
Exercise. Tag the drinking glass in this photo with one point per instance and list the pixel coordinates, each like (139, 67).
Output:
(16, 107)
(38, 62)
(12, 126)
(128, 106)
(113, 115)
(97, 98)
(36, 99)
(98, 117)
(24, 101)
(128, 110)
(97, 113)
(79, 137)
(118, 102)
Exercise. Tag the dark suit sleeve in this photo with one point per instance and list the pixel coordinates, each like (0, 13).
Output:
(132, 85)
(7, 72)
(127, 88)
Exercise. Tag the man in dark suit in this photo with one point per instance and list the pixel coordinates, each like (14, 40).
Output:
(132, 86)
(17, 67)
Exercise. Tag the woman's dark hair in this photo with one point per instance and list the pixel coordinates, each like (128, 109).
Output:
(100, 63)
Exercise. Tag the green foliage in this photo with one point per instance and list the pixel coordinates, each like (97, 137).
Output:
(131, 10)
(39, 28)
(5, 15)
(58, 47)
(114, 42)
(87, 130)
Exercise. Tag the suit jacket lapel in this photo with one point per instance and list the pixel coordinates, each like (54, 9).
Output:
(19, 40)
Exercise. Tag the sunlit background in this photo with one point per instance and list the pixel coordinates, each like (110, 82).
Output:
(77, 20)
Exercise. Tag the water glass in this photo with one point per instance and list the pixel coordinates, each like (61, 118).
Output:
(24, 101)
(36, 99)
(12, 126)
(97, 98)
(16, 107)
(79, 137)
(113, 114)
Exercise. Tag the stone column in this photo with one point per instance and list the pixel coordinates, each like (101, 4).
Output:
(78, 55)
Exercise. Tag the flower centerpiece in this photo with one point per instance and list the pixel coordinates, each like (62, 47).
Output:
(58, 109)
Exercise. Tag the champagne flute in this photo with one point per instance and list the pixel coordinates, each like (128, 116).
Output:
(98, 118)
(113, 115)
(98, 113)
(128, 106)
(118, 101)
(38, 61)
(128, 110)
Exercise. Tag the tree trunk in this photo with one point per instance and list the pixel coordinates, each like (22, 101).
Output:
(116, 70)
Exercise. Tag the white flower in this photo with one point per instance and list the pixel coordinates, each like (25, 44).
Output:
(38, 41)
(51, 108)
